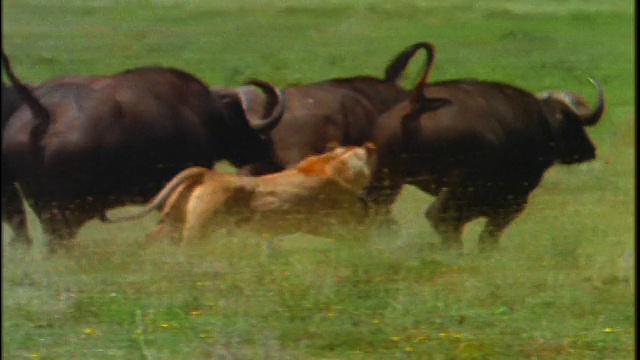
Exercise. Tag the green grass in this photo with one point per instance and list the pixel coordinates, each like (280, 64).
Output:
(559, 287)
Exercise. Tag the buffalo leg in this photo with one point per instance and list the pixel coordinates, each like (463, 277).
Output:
(496, 223)
(380, 200)
(61, 223)
(14, 214)
(172, 222)
(447, 216)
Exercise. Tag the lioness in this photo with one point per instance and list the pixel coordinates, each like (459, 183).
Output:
(322, 191)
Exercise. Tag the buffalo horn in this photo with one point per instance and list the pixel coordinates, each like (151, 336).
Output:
(275, 106)
(590, 118)
(578, 105)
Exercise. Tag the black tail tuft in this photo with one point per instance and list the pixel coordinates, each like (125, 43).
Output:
(40, 113)
(396, 68)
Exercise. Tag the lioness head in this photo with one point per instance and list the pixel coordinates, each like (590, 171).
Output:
(348, 165)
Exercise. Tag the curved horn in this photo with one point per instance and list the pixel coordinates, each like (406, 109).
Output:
(577, 104)
(590, 118)
(276, 102)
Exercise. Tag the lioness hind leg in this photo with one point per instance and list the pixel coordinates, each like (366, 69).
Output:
(196, 226)
(164, 230)
(204, 201)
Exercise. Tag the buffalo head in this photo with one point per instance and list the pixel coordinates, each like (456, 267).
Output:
(239, 102)
(252, 110)
(568, 114)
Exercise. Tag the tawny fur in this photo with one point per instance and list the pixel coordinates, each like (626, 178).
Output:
(318, 195)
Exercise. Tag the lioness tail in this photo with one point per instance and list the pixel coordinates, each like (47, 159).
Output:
(162, 196)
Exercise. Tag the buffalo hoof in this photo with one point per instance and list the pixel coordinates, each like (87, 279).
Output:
(385, 230)
(487, 247)
(61, 246)
(21, 240)
(452, 246)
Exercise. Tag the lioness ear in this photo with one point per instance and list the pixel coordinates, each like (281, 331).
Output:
(370, 147)
(332, 145)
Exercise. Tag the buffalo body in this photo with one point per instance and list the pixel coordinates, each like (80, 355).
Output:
(83, 144)
(342, 111)
(480, 155)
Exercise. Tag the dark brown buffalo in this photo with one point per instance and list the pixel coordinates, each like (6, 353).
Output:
(87, 143)
(11, 101)
(481, 155)
(13, 212)
(342, 110)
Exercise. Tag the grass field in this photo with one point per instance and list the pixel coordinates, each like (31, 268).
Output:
(560, 287)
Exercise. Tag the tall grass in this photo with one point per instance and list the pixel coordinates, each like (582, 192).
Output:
(561, 285)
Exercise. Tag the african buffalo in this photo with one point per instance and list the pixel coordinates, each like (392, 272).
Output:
(481, 154)
(11, 101)
(13, 212)
(83, 144)
(342, 110)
